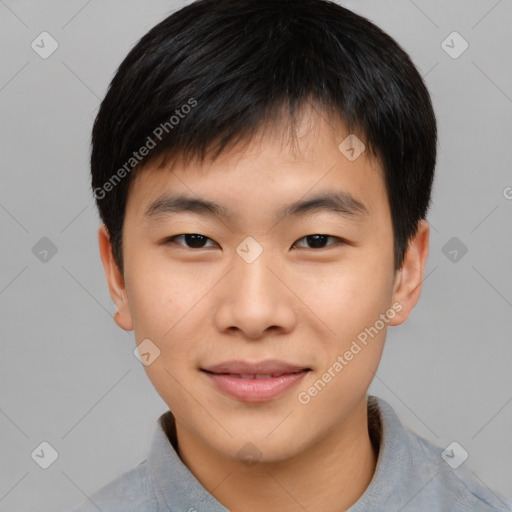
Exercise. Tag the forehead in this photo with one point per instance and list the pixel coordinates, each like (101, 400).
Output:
(276, 172)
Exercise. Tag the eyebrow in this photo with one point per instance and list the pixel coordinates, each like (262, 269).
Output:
(339, 202)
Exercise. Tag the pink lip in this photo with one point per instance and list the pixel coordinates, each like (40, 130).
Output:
(226, 377)
(255, 390)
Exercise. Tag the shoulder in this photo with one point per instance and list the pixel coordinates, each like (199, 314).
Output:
(130, 492)
(413, 475)
(452, 488)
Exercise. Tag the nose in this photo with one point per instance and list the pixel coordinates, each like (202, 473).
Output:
(254, 300)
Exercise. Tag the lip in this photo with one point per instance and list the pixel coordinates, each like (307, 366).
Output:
(228, 378)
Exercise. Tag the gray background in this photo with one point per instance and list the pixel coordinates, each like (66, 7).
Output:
(68, 375)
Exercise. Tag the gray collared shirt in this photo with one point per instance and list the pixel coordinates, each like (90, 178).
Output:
(411, 476)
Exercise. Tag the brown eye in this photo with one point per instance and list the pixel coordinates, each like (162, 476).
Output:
(317, 241)
(192, 240)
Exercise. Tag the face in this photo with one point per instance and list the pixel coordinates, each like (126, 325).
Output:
(311, 286)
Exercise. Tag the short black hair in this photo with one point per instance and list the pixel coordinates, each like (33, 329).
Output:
(215, 71)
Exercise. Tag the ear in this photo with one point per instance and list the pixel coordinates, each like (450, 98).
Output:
(115, 280)
(409, 278)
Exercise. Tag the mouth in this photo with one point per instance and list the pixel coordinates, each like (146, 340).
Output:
(258, 375)
(256, 382)
(272, 367)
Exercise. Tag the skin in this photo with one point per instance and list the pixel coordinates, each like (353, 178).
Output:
(295, 302)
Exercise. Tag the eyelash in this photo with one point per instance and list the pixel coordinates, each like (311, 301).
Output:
(173, 238)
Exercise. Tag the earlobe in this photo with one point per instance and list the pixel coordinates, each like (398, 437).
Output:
(115, 281)
(118, 319)
(408, 282)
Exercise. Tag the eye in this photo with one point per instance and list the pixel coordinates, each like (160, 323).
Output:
(198, 241)
(194, 240)
(317, 241)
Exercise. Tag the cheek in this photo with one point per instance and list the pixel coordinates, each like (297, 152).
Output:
(158, 298)
(351, 303)
(351, 356)
(165, 308)
(354, 295)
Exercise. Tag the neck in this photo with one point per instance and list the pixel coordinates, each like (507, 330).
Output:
(329, 476)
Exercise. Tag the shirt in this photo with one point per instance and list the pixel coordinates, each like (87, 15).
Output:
(410, 475)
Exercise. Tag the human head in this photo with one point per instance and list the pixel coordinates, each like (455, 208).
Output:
(249, 74)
